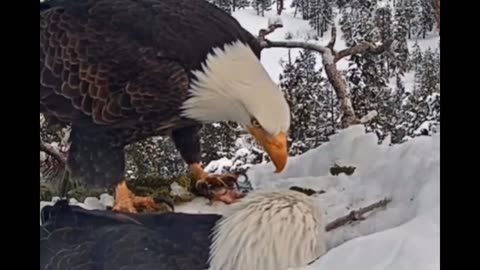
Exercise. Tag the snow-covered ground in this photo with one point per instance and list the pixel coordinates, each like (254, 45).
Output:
(404, 235)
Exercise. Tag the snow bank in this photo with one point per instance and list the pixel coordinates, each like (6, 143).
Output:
(404, 236)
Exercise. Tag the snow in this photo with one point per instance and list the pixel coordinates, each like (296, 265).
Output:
(404, 235)
(217, 166)
(177, 190)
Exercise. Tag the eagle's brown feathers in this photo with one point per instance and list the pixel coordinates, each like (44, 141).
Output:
(119, 70)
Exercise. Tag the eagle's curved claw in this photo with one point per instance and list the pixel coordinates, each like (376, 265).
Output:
(127, 202)
(219, 188)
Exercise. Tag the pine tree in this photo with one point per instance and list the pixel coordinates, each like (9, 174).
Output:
(416, 57)
(225, 5)
(357, 22)
(218, 140)
(425, 18)
(314, 110)
(383, 22)
(341, 4)
(430, 72)
(261, 6)
(320, 15)
(301, 6)
(154, 156)
(408, 10)
(421, 107)
(399, 63)
(240, 4)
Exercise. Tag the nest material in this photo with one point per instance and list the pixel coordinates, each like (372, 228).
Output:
(152, 186)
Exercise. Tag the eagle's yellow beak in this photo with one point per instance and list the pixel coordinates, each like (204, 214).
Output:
(275, 146)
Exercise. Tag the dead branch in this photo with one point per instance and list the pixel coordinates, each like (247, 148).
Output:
(50, 150)
(329, 58)
(363, 47)
(273, 24)
(331, 44)
(368, 117)
(291, 44)
(356, 215)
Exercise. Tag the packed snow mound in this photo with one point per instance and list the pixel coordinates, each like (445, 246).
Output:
(406, 235)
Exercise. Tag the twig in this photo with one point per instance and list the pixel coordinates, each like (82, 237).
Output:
(47, 148)
(356, 215)
(264, 32)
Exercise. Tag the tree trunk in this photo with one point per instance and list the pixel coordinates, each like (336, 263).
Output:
(340, 86)
(436, 12)
(280, 7)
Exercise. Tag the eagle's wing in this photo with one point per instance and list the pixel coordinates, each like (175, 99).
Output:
(91, 74)
(106, 61)
(75, 238)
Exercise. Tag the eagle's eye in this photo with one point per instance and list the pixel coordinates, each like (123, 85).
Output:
(255, 123)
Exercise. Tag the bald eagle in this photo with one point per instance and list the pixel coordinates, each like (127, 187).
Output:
(275, 230)
(120, 71)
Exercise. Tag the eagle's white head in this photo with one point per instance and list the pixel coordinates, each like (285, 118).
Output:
(234, 86)
(269, 231)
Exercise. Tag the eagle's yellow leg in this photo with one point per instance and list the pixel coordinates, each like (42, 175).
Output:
(215, 187)
(127, 202)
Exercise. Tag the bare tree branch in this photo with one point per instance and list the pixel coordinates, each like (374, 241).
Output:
(368, 117)
(292, 44)
(273, 24)
(329, 59)
(50, 150)
(331, 44)
(356, 215)
(363, 47)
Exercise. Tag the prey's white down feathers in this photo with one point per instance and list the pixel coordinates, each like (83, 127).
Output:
(269, 231)
(234, 86)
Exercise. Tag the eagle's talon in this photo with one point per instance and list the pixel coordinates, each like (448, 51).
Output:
(219, 188)
(127, 202)
(216, 187)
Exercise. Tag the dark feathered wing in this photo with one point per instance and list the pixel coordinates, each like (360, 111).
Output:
(75, 238)
(107, 61)
(118, 71)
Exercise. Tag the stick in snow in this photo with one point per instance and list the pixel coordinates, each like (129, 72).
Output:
(356, 215)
